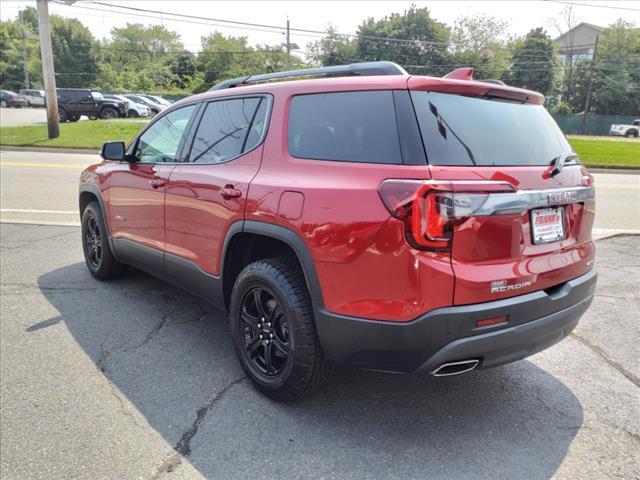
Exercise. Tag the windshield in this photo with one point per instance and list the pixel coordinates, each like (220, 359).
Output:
(158, 100)
(460, 130)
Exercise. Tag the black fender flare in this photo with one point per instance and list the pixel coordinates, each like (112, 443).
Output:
(299, 247)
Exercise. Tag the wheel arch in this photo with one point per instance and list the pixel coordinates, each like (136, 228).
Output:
(89, 193)
(246, 234)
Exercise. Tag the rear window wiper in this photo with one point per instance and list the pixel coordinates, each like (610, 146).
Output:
(442, 123)
(560, 161)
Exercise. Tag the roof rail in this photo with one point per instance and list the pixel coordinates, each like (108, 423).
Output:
(365, 69)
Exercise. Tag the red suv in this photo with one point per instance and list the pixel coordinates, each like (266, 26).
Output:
(371, 218)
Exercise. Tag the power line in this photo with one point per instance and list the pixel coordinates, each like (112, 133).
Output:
(581, 4)
(275, 27)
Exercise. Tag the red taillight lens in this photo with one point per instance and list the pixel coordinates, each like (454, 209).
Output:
(431, 219)
(430, 209)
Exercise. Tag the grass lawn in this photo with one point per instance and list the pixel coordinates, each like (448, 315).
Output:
(612, 153)
(85, 134)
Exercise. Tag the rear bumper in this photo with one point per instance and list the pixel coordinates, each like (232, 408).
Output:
(535, 321)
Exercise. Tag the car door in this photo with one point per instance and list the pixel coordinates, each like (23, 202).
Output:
(137, 187)
(207, 193)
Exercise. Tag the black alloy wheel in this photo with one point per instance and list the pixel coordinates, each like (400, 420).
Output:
(108, 113)
(93, 242)
(265, 331)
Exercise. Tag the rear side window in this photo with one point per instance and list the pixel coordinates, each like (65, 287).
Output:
(228, 128)
(345, 126)
(460, 130)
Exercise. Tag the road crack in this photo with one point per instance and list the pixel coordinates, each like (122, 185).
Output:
(24, 243)
(612, 363)
(182, 449)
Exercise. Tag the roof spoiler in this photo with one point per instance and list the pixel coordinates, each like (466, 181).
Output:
(363, 69)
(465, 73)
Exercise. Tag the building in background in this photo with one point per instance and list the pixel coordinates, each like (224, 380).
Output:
(578, 43)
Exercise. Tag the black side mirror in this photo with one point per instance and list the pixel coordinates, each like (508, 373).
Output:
(112, 151)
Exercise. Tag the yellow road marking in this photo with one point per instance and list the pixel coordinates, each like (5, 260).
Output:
(617, 186)
(43, 165)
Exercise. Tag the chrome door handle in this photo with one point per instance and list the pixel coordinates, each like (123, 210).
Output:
(157, 182)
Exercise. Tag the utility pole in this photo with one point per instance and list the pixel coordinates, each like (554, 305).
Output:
(288, 46)
(24, 51)
(587, 101)
(47, 69)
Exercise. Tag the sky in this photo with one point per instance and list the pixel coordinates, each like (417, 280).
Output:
(345, 16)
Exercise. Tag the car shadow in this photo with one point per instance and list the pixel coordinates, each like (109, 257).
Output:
(171, 357)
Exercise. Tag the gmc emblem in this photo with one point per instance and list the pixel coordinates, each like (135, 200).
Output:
(562, 197)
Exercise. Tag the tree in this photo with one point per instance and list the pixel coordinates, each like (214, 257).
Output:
(413, 39)
(534, 62)
(478, 42)
(12, 35)
(222, 57)
(565, 25)
(617, 79)
(148, 58)
(183, 66)
(75, 53)
(333, 49)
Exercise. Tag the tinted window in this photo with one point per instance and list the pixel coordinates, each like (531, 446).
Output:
(160, 142)
(345, 126)
(459, 130)
(225, 130)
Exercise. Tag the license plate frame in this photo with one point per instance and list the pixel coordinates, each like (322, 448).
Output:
(546, 231)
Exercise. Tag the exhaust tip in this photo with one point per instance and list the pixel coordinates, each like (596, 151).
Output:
(455, 368)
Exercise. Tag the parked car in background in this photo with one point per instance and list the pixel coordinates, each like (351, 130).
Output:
(133, 109)
(619, 129)
(12, 99)
(157, 99)
(75, 102)
(36, 98)
(155, 107)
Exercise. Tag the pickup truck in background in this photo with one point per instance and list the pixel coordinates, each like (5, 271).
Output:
(625, 130)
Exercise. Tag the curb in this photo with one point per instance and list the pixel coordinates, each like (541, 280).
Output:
(16, 148)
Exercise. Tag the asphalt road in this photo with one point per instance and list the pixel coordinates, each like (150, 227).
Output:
(134, 379)
(42, 187)
(10, 117)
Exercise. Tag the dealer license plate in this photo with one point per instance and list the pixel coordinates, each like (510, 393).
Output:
(547, 224)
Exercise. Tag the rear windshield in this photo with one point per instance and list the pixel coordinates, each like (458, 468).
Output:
(459, 130)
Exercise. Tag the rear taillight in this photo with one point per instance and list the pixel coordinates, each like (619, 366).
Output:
(430, 209)
(432, 218)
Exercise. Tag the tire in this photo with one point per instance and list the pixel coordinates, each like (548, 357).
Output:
(132, 113)
(153, 112)
(4, 104)
(95, 245)
(108, 113)
(286, 323)
(63, 116)
(74, 118)
(631, 134)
